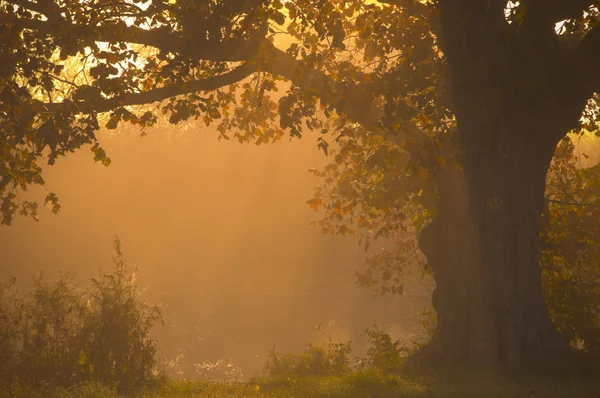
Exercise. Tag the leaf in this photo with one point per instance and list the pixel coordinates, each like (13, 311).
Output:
(52, 199)
(112, 123)
(314, 204)
(111, 58)
(100, 155)
(279, 18)
(214, 113)
(291, 9)
(337, 206)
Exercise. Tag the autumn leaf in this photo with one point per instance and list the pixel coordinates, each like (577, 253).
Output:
(314, 204)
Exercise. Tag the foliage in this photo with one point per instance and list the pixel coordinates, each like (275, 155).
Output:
(333, 358)
(64, 64)
(383, 353)
(11, 310)
(375, 381)
(59, 335)
(52, 338)
(118, 347)
(214, 62)
(570, 236)
(570, 254)
(317, 360)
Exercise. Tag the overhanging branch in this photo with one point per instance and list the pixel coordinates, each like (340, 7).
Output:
(50, 9)
(354, 101)
(159, 94)
(226, 50)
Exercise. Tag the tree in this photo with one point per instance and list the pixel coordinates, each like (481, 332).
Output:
(570, 251)
(471, 97)
(569, 235)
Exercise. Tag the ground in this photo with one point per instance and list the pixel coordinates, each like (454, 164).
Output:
(368, 384)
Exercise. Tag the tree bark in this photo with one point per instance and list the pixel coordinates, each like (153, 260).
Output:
(513, 100)
(484, 251)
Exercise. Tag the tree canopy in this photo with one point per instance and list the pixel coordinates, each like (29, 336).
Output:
(376, 66)
(67, 63)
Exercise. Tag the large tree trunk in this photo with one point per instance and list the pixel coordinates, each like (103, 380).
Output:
(512, 105)
(484, 248)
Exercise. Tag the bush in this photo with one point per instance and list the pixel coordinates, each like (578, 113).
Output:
(384, 354)
(59, 335)
(117, 347)
(317, 360)
(51, 330)
(11, 308)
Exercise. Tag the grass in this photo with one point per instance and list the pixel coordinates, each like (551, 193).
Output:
(364, 384)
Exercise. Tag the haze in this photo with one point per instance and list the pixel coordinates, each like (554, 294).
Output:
(220, 233)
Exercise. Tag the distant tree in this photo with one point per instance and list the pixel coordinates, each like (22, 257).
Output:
(471, 98)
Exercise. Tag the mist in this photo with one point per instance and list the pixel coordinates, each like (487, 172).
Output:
(220, 233)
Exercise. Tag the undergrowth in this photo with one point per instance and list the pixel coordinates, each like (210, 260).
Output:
(58, 335)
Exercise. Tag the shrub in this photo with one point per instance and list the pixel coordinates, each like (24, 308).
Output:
(53, 318)
(316, 360)
(383, 353)
(59, 335)
(11, 308)
(117, 347)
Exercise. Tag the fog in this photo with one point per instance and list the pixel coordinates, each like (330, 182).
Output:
(220, 233)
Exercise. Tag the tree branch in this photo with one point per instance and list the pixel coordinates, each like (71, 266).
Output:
(159, 94)
(354, 101)
(39, 7)
(225, 50)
